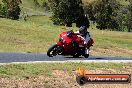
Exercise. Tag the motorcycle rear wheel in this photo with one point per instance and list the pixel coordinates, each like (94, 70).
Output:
(86, 55)
(76, 55)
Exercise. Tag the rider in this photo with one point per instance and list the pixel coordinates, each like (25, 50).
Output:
(84, 34)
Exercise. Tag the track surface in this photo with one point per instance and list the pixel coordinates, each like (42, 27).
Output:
(33, 58)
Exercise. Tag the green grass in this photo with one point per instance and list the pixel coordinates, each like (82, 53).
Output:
(111, 39)
(123, 2)
(45, 69)
(20, 36)
(113, 43)
(39, 33)
(35, 35)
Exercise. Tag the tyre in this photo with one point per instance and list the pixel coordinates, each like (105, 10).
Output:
(81, 80)
(53, 50)
(76, 55)
(86, 55)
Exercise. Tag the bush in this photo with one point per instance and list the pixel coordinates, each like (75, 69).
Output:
(12, 8)
(2, 10)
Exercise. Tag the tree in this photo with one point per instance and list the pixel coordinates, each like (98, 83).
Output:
(12, 8)
(104, 13)
(124, 18)
(65, 11)
(2, 10)
(130, 17)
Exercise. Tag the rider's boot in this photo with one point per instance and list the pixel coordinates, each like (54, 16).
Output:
(86, 51)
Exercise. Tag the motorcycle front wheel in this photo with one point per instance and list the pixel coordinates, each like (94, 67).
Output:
(53, 50)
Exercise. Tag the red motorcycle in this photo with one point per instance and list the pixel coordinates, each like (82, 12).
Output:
(70, 44)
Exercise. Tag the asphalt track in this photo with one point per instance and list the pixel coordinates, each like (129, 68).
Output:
(9, 58)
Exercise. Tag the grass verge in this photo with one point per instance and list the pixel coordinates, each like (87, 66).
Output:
(38, 34)
(46, 69)
(58, 75)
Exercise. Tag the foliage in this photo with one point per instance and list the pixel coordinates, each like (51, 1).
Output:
(124, 18)
(44, 3)
(12, 8)
(104, 13)
(2, 10)
(65, 11)
(110, 14)
(41, 3)
(36, 4)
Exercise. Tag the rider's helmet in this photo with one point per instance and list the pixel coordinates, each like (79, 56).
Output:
(83, 30)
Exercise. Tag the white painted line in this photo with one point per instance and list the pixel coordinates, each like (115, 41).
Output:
(73, 61)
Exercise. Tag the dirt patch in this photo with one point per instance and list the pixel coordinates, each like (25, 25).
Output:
(63, 79)
(59, 73)
(111, 52)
